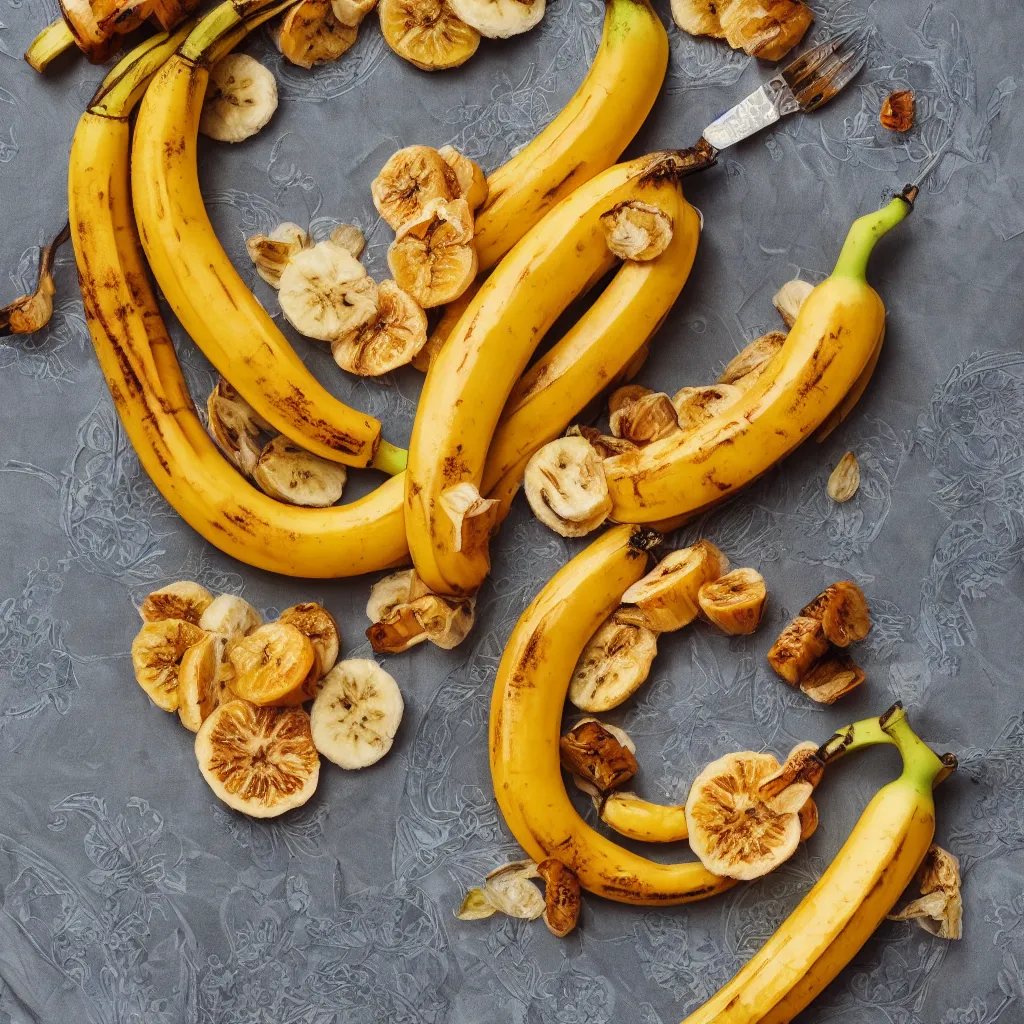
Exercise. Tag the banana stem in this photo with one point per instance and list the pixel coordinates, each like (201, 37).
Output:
(866, 733)
(226, 26)
(867, 230)
(389, 458)
(54, 40)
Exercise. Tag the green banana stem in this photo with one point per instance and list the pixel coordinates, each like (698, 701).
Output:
(389, 458)
(226, 26)
(866, 733)
(54, 40)
(867, 230)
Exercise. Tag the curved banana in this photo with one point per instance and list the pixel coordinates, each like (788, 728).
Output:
(849, 901)
(526, 712)
(589, 134)
(635, 818)
(473, 374)
(138, 361)
(593, 354)
(211, 300)
(827, 351)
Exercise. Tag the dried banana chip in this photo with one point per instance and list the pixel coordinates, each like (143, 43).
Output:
(789, 788)
(387, 341)
(695, 406)
(272, 253)
(310, 34)
(604, 444)
(636, 231)
(500, 19)
(201, 684)
(561, 897)
(843, 612)
(734, 602)
(667, 597)
(798, 649)
(349, 236)
(443, 621)
(628, 393)
(613, 665)
(412, 179)
(236, 426)
(241, 98)
(352, 12)
(592, 752)
(747, 365)
(475, 906)
(473, 517)
(565, 486)
(356, 714)
(647, 418)
(181, 600)
(509, 891)
(767, 29)
(272, 665)
(470, 180)
(789, 299)
(844, 480)
(939, 910)
(449, 319)
(834, 676)
(427, 33)
(325, 292)
(391, 591)
(317, 624)
(397, 631)
(260, 761)
(289, 473)
(157, 651)
(897, 112)
(231, 615)
(32, 313)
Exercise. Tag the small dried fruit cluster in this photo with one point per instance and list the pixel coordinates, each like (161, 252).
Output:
(317, 31)
(403, 613)
(768, 29)
(811, 651)
(240, 685)
(98, 26)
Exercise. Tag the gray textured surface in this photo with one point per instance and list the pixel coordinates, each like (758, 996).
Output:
(128, 894)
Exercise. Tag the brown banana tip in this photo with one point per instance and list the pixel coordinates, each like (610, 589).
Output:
(676, 164)
(643, 538)
(887, 717)
(909, 195)
(949, 765)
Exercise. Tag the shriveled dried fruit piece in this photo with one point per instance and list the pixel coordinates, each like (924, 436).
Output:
(695, 406)
(241, 98)
(443, 621)
(272, 664)
(433, 258)
(844, 480)
(475, 906)
(397, 631)
(310, 34)
(613, 665)
(470, 180)
(509, 891)
(169, 14)
(734, 602)
(789, 299)
(500, 19)
(201, 685)
(566, 488)
(767, 29)
(897, 112)
(636, 818)
(352, 12)
(411, 180)
(32, 313)
(790, 787)
(843, 612)
(604, 444)
(325, 292)
(834, 676)
(748, 364)
(427, 33)
(260, 761)
(645, 419)
(473, 516)
(391, 591)
(84, 23)
(808, 820)
(289, 473)
(628, 393)
(317, 624)
(939, 909)
(157, 651)
(236, 426)
(391, 339)
(667, 597)
(349, 237)
(561, 896)
(593, 753)
(799, 647)
(356, 714)
(452, 314)
(231, 615)
(181, 600)
(271, 253)
(636, 231)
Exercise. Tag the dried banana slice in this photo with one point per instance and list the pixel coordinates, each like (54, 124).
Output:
(636, 231)
(272, 665)
(636, 818)
(613, 665)
(768, 29)
(30, 313)
(236, 426)
(667, 597)
(604, 444)
(565, 486)
(500, 19)
(410, 181)
(750, 362)
(561, 897)
(272, 253)
(260, 761)
(356, 714)
(181, 600)
(391, 339)
(157, 651)
(349, 237)
(843, 612)
(289, 473)
(231, 615)
(646, 418)
(844, 480)
(325, 292)
(391, 591)
(789, 299)
(310, 34)
(698, 17)
(433, 258)
(695, 406)
(473, 517)
(443, 621)
(427, 33)
(939, 909)
(201, 684)
(621, 397)
(734, 602)
(470, 180)
(799, 647)
(594, 753)
(834, 676)
(397, 631)
(317, 624)
(241, 98)
(808, 820)
(352, 12)
(452, 314)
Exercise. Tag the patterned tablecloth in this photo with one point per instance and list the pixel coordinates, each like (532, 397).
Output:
(127, 893)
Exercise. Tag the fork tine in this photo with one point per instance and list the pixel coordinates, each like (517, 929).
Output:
(826, 70)
(807, 63)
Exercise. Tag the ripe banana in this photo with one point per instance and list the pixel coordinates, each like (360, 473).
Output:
(831, 344)
(206, 293)
(468, 383)
(526, 712)
(636, 818)
(149, 392)
(851, 899)
(589, 134)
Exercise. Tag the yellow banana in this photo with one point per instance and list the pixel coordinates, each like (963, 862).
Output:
(469, 381)
(589, 134)
(852, 897)
(832, 342)
(206, 293)
(636, 818)
(138, 361)
(526, 712)
(594, 354)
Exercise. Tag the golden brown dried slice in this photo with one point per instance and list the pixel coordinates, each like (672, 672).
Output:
(667, 597)
(767, 29)
(427, 33)
(636, 818)
(433, 258)
(789, 299)
(939, 909)
(236, 426)
(31, 313)
(470, 180)
(391, 339)
(449, 318)
(734, 602)
(272, 253)
(391, 591)
(410, 181)
(604, 444)
(623, 396)
(636, 231)
(260, 761)
(699, 17)
(201, 683)
(791, 785)
(241, 98)
(595, 754)
(507, 891)
(748, 364)
(844, 480)
(474, 518)
(695, 406)
(289, 473)
(157, 651)
(396, 631)
(613, 665)
(317, 624)
(500, 19)
(834, 676)
(646, 418)
(443, 621)
(349, 237)
(84, 23)
(798, 649)
(565, 486)
(808, 820)
(897, 112)
(310, 34)
(181, 600)
(561, 897)
(231, 615)
(169, 14)
(843, 612)
(272, 664)
(352, 12)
